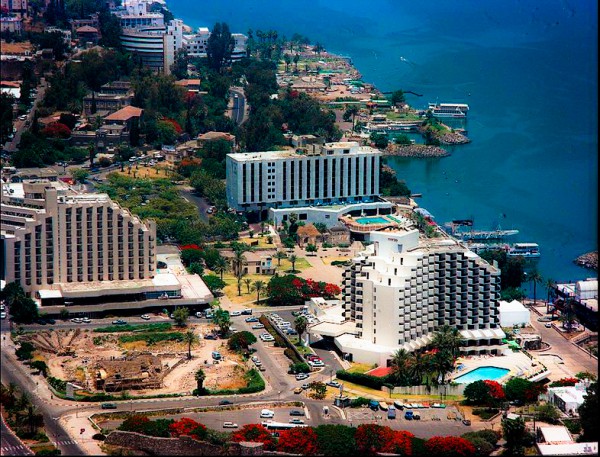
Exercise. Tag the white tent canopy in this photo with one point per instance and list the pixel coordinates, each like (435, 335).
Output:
(513, 313)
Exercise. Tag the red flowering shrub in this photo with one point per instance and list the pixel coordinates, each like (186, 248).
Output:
(189, 427)
(451, 446)
(373, 438)
(299, 440)
(190, 246)
(495, 390)
(564, 382)
(401, 443)
(56, 130)
(135, 423)
(175, 124)
(533, 392)
(255, 433)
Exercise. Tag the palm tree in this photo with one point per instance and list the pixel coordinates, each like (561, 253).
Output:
(296, 59)
(353, 110)
(248, 283)
(190, 338)
(279, 255)
(442, 363)
(535, 277)
(258, 286)
(239, 284)
(238, 262)
(287, 59)
(300, 324)
(550, 283)
(221, 266)
(417, 367)
(400, 361)
(448, 338)
(200, 377)
(568, 317)
(293, 259)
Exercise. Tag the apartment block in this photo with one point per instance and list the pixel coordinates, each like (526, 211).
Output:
(54, 238)
(329, 174)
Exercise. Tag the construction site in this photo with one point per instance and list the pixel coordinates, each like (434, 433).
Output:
(103, 362)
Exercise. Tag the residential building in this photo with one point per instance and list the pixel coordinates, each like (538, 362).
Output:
(17, 8)
(308, 234)
(405, 286)
(239, 47)
(204, 138)
(54, 238)
(254, 263)
(134, 14)
(119, 128)
(155, 45)
(556, 440)
(568, 399)
(111, 97)
(11, 24)
(87, 34)
(322, 175)
(196, 44)
(583, 295)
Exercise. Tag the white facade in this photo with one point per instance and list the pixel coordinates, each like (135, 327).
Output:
(513, 313)
(156, 46)
(334, 173)
(402, 288)
(195, 44)
(52, 235)
(568, 399)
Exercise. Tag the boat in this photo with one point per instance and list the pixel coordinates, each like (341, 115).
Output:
(383, 405)
(527, 250)
(478, 248)
(452, 110)
(469, 234)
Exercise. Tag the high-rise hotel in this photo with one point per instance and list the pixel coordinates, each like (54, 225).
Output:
(55, 239)
(321, 175)
(405, 286)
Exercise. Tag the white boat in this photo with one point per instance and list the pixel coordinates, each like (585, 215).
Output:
(473, 235)
(455, 110)
(524, 250)
(477, 248)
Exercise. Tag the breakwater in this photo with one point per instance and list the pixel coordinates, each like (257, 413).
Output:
(589, 260)
(415, 151)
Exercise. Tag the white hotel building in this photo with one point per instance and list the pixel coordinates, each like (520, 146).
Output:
(403, 287)
(342, 174)
(56, 242)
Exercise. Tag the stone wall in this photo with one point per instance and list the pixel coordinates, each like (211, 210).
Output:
(184, 445)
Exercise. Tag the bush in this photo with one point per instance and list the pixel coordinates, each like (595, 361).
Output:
(300, 367)
(485, 413)
(156, 327)
(362, 379)
(58, 384)
(152, 338)
(99, 437)
(573, 425)
(358, 402)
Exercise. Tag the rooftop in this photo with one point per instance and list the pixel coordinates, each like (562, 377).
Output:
(124, 114)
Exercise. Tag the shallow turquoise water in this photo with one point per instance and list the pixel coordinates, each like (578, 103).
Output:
(482, 374)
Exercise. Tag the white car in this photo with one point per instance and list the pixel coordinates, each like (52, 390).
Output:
(235, 313)
(77, 320)
(230, 425)
(145, 317)
(2, 315)
(267, 414)
(86, 320)
(257, 326)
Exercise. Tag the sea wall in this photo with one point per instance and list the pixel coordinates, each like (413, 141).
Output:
(589, 260)
(416, 151)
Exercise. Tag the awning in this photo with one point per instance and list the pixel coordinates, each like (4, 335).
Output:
(46, 294)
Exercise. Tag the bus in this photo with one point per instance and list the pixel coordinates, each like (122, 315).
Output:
(271, 425)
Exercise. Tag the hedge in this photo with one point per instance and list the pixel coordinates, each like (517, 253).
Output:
(362, 379)
(152, 338)
(156, 327)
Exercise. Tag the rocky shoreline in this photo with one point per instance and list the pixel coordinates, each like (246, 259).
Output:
(415, 151)
(452, 138)
(589, 260)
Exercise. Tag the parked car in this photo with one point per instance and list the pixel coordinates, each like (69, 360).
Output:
(298, 390)
(296, 412)
(2, 315)
(247, 311)
(40, 322)
(374, 405)
(77, 320)
(548, 325)
(109, 406)
(199, 315)
(305, 386)
(210, 336)
(235, 313)
(230, 425)
(145, 317)
(119, 322)
(267, 413)
(257, 326)
(225, 402)
(254, 358)
(86, 320)
(408, 415)
(251, 319)
(302, 376)
(296, 421)
(466, 422)
(333, 384)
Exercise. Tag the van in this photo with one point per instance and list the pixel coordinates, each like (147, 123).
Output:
(267, 414)
(216, 355)
(247, 311)
(391, 413)
(374, 405)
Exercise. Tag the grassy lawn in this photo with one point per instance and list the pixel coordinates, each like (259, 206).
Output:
(156, 172)
(286, 265)
(402, 116)
(262, 241)
(232, 292)
(328, 260)
(360, 368)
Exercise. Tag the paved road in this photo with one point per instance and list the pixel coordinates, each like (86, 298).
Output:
(238, 109)
(200, 202)
(22, 126)
(9, 443)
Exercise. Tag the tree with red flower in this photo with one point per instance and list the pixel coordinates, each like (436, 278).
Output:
(401, 443)
(299, 440)
(135, 423)
(175, 124)
(372, 438)
(451, 446)
(495, 390)
(188, 427)
(254, 433)
(56, 130)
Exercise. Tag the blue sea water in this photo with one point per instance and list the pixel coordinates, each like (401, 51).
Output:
(527, 69)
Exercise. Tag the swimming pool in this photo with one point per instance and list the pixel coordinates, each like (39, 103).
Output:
(482, 373)
(372, 220)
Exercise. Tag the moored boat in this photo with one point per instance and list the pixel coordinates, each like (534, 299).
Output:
(527, 250)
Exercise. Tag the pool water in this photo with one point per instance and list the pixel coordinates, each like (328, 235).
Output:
(372, 220)
(482, 374)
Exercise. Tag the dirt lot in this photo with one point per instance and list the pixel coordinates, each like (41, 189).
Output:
(73, 353)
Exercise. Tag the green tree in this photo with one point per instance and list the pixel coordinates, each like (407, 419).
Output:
(258, 286)
(240, 341)
(447, 337)
(477, 393)
(41, 366)
(222, 319)
(318, 389)
(293, 259)
(180, 316)
(400, 367)
(214, 283)
(588, 414)
(248, 283)
(23, 309)
(190, 338)
(336, 440)
(80, 175)
(515, 434)
(547, 413)
(200, 376)
(379, 140)
(280, 255)
(300, 324)
(516, 389)
(219, 47)
(398, 97)
(311, 248)
(221, 266)
(535, 277)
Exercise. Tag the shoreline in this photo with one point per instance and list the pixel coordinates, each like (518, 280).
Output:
(415, 151)
(588, 260)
